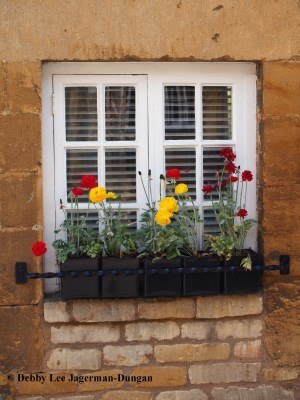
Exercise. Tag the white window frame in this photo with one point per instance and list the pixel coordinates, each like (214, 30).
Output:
(240, 76)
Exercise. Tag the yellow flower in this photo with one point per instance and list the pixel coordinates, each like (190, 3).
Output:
(111, 195)
(97, 194)
(181, 188)
(169, 203)
(163, 217)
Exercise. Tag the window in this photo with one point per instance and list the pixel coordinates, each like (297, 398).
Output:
(115, 119)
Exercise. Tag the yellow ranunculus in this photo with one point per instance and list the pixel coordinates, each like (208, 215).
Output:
(169, 203)
(111, 195)
(163, 217)
(181, 188)
(97, 194)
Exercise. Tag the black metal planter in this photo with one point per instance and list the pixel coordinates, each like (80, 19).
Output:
(241, 280)
(164, 282)
(80, 286)
(197, 283)
(123, 285)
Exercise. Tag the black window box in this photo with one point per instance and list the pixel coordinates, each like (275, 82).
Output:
(80, 287)
(202, 282)
(121, 285)
(161, 283)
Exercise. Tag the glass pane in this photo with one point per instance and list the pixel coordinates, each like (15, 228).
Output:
(80, 162)
(211, 226)
(185, 160)
(120, 113)
(179, 112)
(217, 112)
(130, 218)
(81, 113)
(120, 173)
(91, 218)
(212, 162)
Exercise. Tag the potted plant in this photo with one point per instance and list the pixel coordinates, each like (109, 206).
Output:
(230, 213)
(119, 249)
(158, 245)
(79, 249)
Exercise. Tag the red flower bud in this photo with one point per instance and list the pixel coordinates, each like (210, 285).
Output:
(227, 153)
(242, 213)
(88, 181)
(247, 176)
(39, 248)
(207, 189)
(173, 174)
(230, 168)
(233, 178)
(77, 191)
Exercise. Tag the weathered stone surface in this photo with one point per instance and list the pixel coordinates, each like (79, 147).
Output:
(104, 310)
(21, 134)
(21, 350)
(98, 333)
(2, 87)
(89, 397)
(130, 395)
(196, 330)
(127, 355)
(24, 86)
(229, 372)
(163, 309)
(48, 387)
(281, 87)
(161, 376)
(250, 349)
(56, 311)
(16, 246)
(194, 394)
(282, 374)
(282, 336)
(258, 393)
(243, 329)
(31, 398)
(101, 380)
(191, 352)
(228, 306)
(151, 330)
(71, 359)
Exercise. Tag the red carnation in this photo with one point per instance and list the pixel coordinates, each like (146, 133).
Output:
(247, 176)
(173, 174)
(77, 191)
(39, 248)
(230, 168)
(227, 153)
(207, 189)
(88, 181)
(242, 213)
(233, 178)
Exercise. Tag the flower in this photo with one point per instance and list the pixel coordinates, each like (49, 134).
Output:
(227, 153)
(181, 188)
(163, 217)
(77, 191)
(247, 175)
(230, 168)
(169, 204)
(242, 213)
(97, 194)
(111, 195)
(88, 181)
(222, 184)
(39, 248)
(207, 189)
(173, 174)
(233, 178)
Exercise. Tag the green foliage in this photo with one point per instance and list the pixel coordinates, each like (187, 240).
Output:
(222, 245)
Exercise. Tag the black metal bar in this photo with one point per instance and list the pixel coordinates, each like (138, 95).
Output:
(284, 264)
(21, 272)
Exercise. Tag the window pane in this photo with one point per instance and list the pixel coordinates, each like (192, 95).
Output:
(212, 162)
(179, 112)
(120, 173)
(211, 226)
(130, 218)
(81, 113)
(185, 161)
(79, 163)
(217, 112)
(91, 218)
(120, 113)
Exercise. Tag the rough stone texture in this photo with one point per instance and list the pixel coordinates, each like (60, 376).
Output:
(282, 374)
(247, 328)
(48, 387)
(151, 330)
(194, 394)
(282, 336)
(89, 397)
(101, 385)
(161, 376)
(21, 339)
(191, 352)
(127, 355)
(131, 395)
(71, 359)
(228, 306)
(230, 372)
(258, 393)
(56, 311)
(2, 87)
(250, 349)
(21, 138)
(104, 310)
(31, 398)
(98, 333)
(196, 330)
(163, 309)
